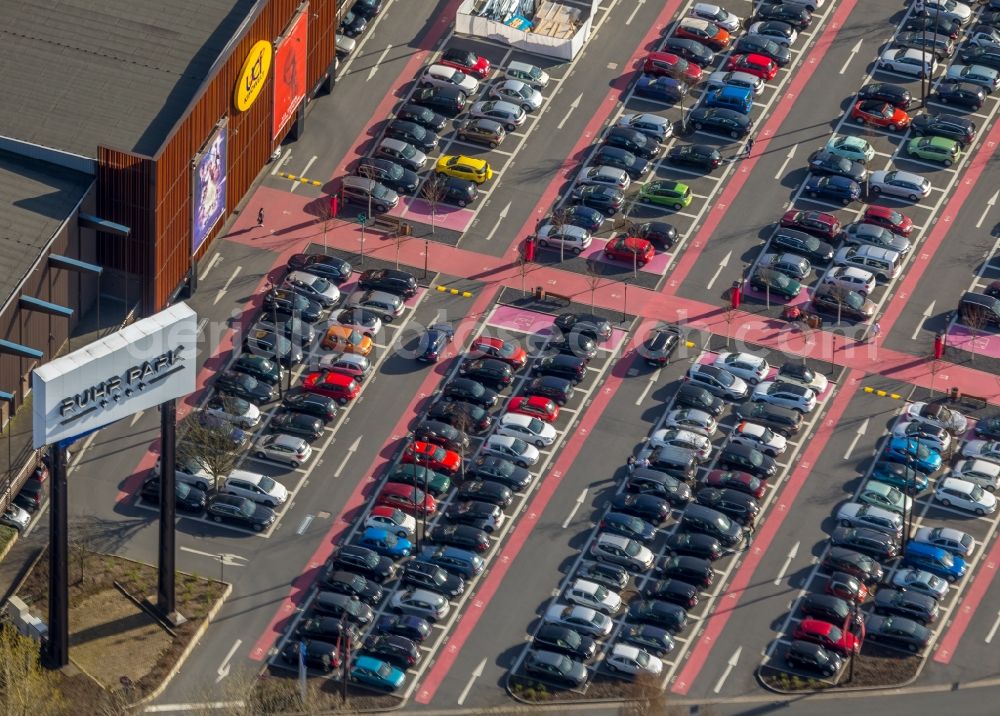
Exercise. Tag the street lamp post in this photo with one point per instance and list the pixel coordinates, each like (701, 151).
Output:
(277, 347)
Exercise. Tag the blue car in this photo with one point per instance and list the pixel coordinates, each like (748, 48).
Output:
(898, 475)
(629, 526)
(434, 341)
(910, 452)
(836, 188)
(935, 560)
(412, 627)
(385, 542)
(375, 672)
(665, 89)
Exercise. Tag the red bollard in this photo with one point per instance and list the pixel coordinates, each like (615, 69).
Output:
(529, 248)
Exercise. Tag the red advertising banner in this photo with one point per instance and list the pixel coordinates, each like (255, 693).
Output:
(290, 71)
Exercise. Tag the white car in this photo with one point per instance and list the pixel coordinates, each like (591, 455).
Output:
(760, 437)
(591, 594)
(718, 80)
(566, 237)
(908, 62)
(283, 448)
(697, 421)
(964, 495)
(352, 364)
(945, 9)
(604, 176)
(985, 77)
(420, 602)
(785, 395)
(234, 410)
(359, 319)
(920, 581)
(937, 439)
(527, 73)
(393, 520)
(898, 183)
(797, 372)
(850, 278)
(984, 473)
(443, 76)
(773, 31)
(652, 125)
(318, 289)
(259, 488)
(718, 381)
(753, 369)
(856, 514)
(527, 98)
(985, 37)
(983, 449)
(513, 449)
(939, 416)
(632, 660)
(506, 113)
(716, 15)
(16, 517)
(581, 619)
(529, 429)
(685, 439)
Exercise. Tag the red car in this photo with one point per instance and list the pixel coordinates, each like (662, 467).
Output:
(736, 480)
(629, 249)
(827, 635)
(509, 352)
(536, 406)
(756, 65)
(703, 31)
(894, 221)
(816, 223)
(846, 586)
(880, 114)
(433, 456)
(467, 61)
(338, 386)
(409, 499)
(666, 64)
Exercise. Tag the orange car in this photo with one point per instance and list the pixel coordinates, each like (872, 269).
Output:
(347, 340)
(703, 31)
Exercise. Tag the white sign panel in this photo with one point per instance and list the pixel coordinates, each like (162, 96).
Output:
(137, 368)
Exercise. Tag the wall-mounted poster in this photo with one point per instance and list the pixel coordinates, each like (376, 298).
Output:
(290, 71)
(209, 187)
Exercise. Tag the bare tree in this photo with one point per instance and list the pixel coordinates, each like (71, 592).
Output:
(644, 697)
(559, 219)
(975, 317)
(594, 277)
(209, 443)
(840, 294)
(433, 192)
(522, 268)
(26, 689)
(324, 217)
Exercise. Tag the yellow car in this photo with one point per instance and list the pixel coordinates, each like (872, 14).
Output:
(347, 340)
(463, 167)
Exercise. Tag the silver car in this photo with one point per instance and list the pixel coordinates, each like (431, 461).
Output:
(718, 80)
(652, 125)
(313, 287)
(420, 602)
(528, 98)
(872, 235)
(897, 183)
(402, 153)
(506, 113)
(527, 73)
(387, 305)
(604, 176)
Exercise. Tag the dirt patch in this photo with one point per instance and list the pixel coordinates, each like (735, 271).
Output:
(874, 667)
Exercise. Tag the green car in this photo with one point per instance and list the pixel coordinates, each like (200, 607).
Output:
(263, 369)
(885, 496)
(420, 476)
(770, 281)
(854, 148)
(666, 193)
(934, 149)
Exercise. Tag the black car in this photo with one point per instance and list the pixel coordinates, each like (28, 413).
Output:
(368, 8)
(353, 24)
(422, 116)
(964, 94)
(351, 584)
(497, 469)
(898, 97)
(583, 216)
(720, 121)
(795, 15)
(690, 50)
(401, 283)
(861, 566)
(659, 233)
(660, 344)
(553, 667)
(469, 391)
(288, 325)
(672, 590)
(460, 192)
(704, 156)
(328, 629)
(983, 56)
(735, 505)
(240, 511)
(397, 650)
(651, 508)
(647, 481)
(488, 371)
(988, 428)
(656, 641)
(628, 526)
(605, 199)
(319, 406)
(425, 575)
(420, 476)
(747, 459)
(419, 136)
(389, 173)
(485, 491)
(694, 396)
(575, 344)
(612, 576)
(760, 45)
(441, 433)
(559, 390)
(286, 301)
(564, 366)
(671, 617)
(781, 420)
(636, 167)
(341, 606)
(329, 267)
(188, 499)
(245, 386)
(433, 341)
(318, 655)
(899, 632)
(412, 627)
(921, 608)
(300, 424)
(565, 641)
(449, 101)
(693, 570)
(932, 25)
(366, 562)
(483, 516)
(825, 607)
(827, 163)
(465, 416)
(463, 536)
(585, 323)
(806, 656)
(633, 141)
(801, 243)
(695, 544)
(949, 126)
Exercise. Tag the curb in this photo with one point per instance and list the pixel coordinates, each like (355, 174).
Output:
(10, 545)
(837, 689)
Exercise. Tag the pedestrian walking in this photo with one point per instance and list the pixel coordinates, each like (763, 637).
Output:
(748, 534)
(748, 147)
(876, 330)
(260, 217)
(630, 464)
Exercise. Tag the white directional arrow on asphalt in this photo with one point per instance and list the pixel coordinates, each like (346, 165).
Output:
(350, 451)
(503, 215)
(652, 381)
(989, 205)
(854, 50)
(223, 670)
(792, 554)
(862, 429)
(230, 560)
(378, 62)
(730, 665)
(579, 501)
(928, 312)
(572, 105)
(476, 673)
(722, 265)
(784, 164)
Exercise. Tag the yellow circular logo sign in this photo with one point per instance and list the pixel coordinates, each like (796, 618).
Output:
(253, 75)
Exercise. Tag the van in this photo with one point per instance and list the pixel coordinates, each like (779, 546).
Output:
(364, 192)
(698, 518)
(676, 461)
(884, 263)
(979, 310)
(256, 487)
(739, 99)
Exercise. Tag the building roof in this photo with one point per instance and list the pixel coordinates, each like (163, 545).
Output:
(37, 197)
(75, 74)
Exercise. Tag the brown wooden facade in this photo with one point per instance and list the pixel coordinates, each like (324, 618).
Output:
(153, 195)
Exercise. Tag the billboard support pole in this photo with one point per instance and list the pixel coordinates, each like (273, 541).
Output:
(166, 593)
(58, 644)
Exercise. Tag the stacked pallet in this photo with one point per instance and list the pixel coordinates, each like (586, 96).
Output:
(555, 20)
